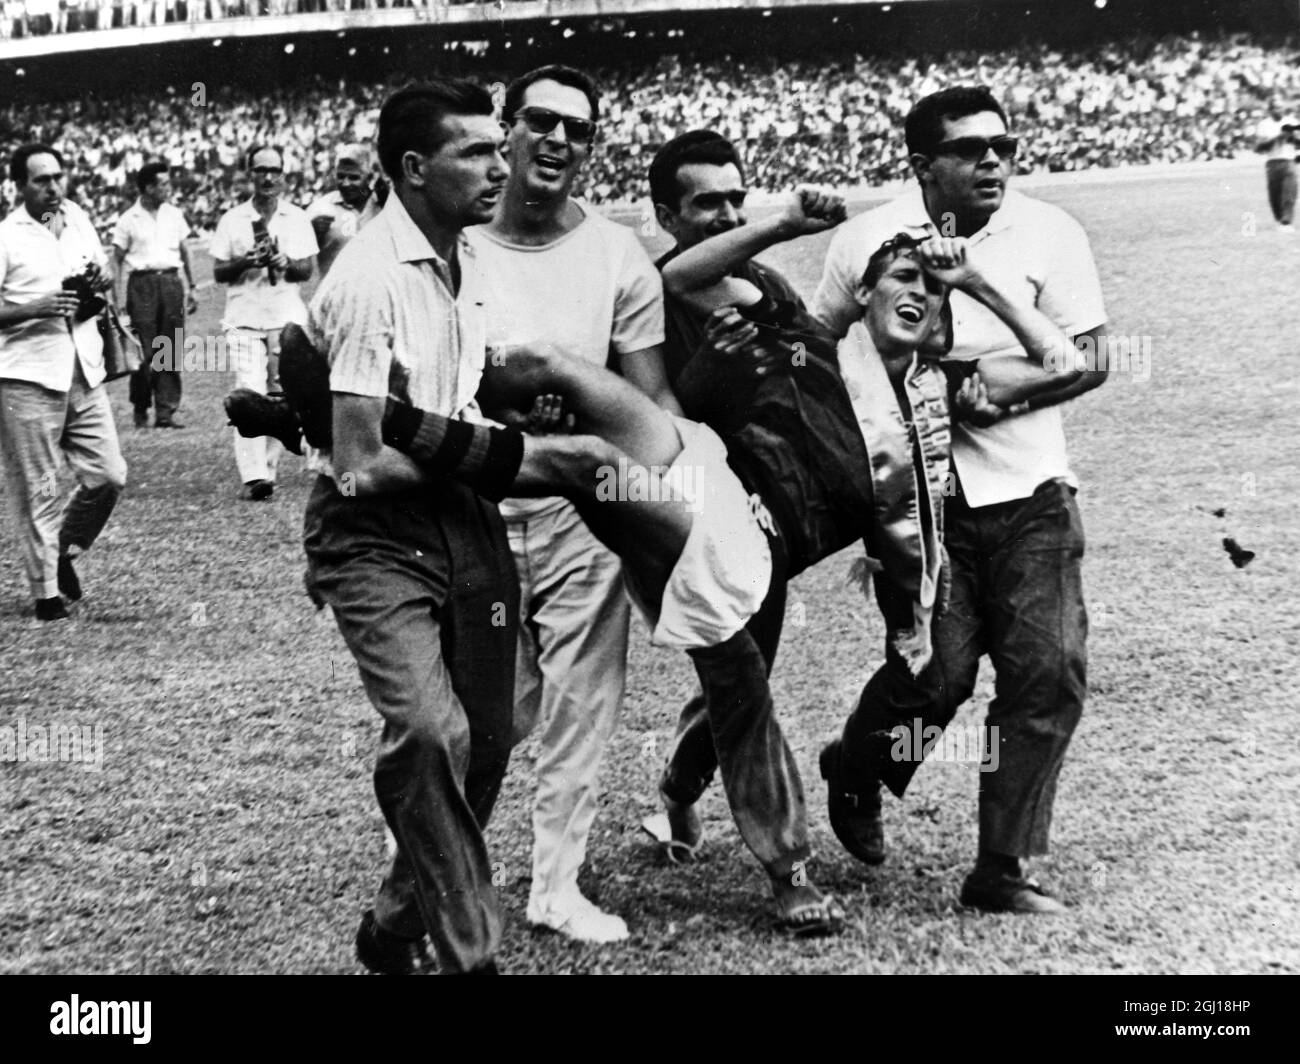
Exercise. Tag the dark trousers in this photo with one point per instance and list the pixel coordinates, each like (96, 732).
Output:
(732, 726)
(1280, 174)
(156, 303)
(1017, 595)
(424, 590)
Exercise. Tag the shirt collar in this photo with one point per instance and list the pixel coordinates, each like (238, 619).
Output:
(409, 243)
(1003, 218)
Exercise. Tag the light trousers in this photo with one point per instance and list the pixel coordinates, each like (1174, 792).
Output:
(39, 429)
(569, 680)
(255, 355)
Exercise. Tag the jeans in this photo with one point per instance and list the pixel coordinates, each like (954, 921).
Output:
(1017, 595)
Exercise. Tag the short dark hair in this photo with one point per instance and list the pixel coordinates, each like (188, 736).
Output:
(697, 146)
(149, 173)
(18, 161)
(411, 119)
(939, 342)
(251, 154)
(885, 254)
(923, 127)
(558, 72)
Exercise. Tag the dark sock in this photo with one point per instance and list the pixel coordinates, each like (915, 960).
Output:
(483, 458)
(988, 863)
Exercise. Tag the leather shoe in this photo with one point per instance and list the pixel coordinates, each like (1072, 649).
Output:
(257, 490)
(1008, 894)
(854, 814)
(168, 423)
(387, 954)
(51, 609)
(141, 418)
(255, 415)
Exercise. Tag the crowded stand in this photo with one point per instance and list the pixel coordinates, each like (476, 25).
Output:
(832, 121)
(36, 18)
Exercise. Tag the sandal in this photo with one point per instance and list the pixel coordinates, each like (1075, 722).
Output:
(809, 918)
(674, 830)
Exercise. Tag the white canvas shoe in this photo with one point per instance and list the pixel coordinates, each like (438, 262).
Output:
(575, 917)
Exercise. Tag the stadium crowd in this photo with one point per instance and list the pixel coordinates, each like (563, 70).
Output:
(36, 18)
(1173, 99)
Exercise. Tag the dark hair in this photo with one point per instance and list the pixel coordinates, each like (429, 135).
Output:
(924, 125)
(557, 72)
(697, 146)
(251, 154)
(939, 342)
(18, 161)
(885, 254)
(411, 119)
(149, 173)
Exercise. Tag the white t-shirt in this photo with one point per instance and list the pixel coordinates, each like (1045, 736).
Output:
(593, 293)
(1029, 246)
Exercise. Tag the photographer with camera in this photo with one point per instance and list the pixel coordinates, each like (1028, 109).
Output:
(1275, 139)
(263, 248)
(52, 397)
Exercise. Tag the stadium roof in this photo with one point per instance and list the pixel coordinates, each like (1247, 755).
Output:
(438, 13)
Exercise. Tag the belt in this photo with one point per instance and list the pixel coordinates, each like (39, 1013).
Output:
(156, 273)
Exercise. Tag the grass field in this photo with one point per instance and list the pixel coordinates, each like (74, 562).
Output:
(233, 827)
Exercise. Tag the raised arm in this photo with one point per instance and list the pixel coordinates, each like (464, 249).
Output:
(699, 275)
(1052, 371)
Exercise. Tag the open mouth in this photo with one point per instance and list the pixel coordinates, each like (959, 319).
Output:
(988, 184)
(911, 314)
(550, 165)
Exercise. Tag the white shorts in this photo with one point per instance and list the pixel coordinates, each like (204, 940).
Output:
(725, 569)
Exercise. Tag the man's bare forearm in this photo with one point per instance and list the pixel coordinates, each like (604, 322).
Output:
(710, 260)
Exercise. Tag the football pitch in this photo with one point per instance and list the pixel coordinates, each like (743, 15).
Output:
(230, 825)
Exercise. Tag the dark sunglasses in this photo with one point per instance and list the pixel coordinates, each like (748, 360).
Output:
(709, 201)
(973, 149)
(540, 120)
(266, 171)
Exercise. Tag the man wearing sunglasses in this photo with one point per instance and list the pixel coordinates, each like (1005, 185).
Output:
(1013, 531)
(565, 276)
(263, 249)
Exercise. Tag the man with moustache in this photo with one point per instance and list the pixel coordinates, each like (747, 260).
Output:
(263, 249)
(566, 276)
(1013, 532)
(417, 570)
(53, 404)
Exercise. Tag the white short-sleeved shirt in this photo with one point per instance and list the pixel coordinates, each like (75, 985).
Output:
(593, 293)
(253, 302)
(1270, 140)
(33, 263)
(345, 222)
(151, 241)
(392, 324)
(1029, 246)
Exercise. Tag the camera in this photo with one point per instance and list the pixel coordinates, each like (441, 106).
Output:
(89, 302)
